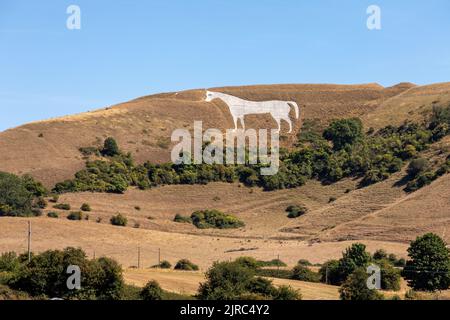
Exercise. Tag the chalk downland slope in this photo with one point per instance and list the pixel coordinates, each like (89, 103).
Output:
(49, 149)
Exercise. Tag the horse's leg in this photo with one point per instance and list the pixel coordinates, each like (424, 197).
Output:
(242, 122)
(290, 124)
(235, 120)
(279, 124)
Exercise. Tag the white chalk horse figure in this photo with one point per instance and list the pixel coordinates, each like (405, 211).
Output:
(240, 107)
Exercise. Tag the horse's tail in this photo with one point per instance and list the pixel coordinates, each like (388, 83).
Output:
(295, 108)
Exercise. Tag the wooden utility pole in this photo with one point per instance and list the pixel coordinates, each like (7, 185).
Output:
(29, 241)
(159, 256)
(139, 258)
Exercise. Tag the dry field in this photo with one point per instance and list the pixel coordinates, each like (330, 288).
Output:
(187, 282)
(122, 243)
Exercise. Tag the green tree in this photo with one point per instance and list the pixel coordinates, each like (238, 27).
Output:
(110, 147)
(152, 291)
(355, 287)
(15, 198)
(354, 257)
(429, 267)
(344, 132)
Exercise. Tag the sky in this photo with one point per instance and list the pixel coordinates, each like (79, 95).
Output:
(127, 49)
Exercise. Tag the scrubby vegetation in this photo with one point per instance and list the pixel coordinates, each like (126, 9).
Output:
(206, 219)
(296, 211)
(152, 291)
(215, 219)
(237, 280)
(53, 214)
(75, 215)
(163, 265)
(62, 206)
(45, 275)
(119, 220)
(20, 196)
(85, 207)
(186, 265)
(338, 151)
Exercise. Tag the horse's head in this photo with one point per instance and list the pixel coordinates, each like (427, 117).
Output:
(210, 96)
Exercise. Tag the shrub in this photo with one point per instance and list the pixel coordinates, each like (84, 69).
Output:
(344, 132)
(75, 215)
(41, 203)
(163, 265)
(46, 275)
(54, 198)
(287, 293)
(185, 264)
(85, 207)
(296, 211)
(248, 262)
(380, 254)
(429, 267)
(119, 220)
(272, 263)
(417, 166)
(53, 214)
(62, 206)
(9, 262)
(330, 273)
(151, 291)
(304, 262)
(390, 276)
(355, 287)
(182, 219)
(110, 147)
(137, 225)
(302, 273)
(138, 208)
(215, 219)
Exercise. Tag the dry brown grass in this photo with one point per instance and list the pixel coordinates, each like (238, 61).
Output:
(188, 282)
(139, 124)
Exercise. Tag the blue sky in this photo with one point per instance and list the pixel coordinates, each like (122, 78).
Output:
(127, 49)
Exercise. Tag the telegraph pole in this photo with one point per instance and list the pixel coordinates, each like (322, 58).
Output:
(159, 256)
(139, 258)
(29, 241)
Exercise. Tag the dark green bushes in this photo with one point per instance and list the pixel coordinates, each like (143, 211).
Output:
(20, 196)
(182, 219)
(186, 265)
(75, 215)
(215, 219)
(119, 220)
(46, 275)
(85, 207)
(296, 211)
(62, 206)
(152, 291)
(234, 281)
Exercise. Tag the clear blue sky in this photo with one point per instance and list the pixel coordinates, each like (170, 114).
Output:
(127, 49)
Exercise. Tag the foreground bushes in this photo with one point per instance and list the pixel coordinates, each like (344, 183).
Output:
(45, 275)
(234, 281)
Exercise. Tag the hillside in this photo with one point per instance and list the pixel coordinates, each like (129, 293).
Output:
(49, 149)
(382, 215)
